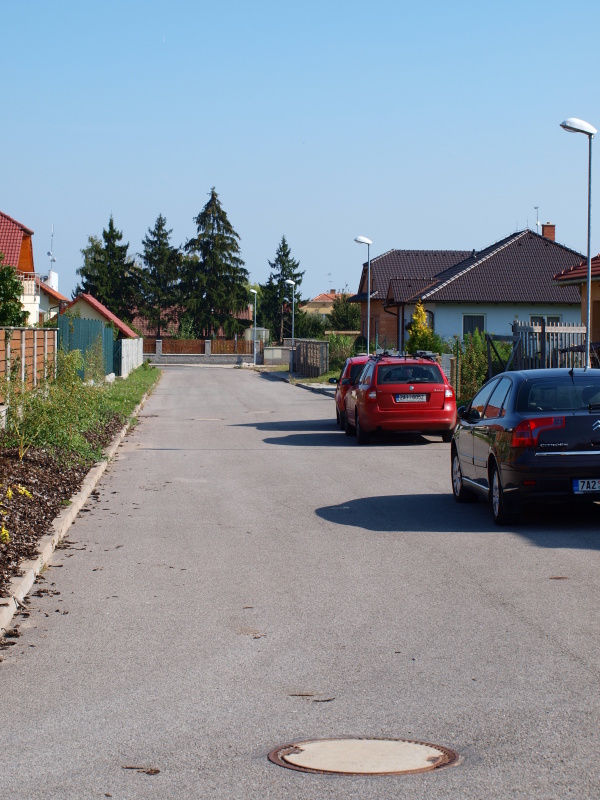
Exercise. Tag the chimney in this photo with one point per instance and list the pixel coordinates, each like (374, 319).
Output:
(548, 230)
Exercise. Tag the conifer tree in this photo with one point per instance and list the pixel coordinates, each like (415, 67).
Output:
(12, 313)
(276, 311)
(214, 281)
(159, 276)
(109, 274)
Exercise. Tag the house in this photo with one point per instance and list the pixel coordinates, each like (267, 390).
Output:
(40, 296)
(322, 305)
(87, 307)
(576, 276)
(462, 291)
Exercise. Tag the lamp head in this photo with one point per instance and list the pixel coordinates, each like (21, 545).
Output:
(363, 240)
(253, 291)
(291, 283)
(574, 125)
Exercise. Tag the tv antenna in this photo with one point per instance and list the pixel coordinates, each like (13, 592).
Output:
(50, 254)
(537, 219)
(329, 274)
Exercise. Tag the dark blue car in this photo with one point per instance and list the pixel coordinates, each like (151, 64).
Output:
(529, 435)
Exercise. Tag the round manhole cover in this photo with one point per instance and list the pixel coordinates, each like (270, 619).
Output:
(363, 756)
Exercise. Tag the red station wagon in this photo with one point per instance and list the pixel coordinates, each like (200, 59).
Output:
(401, 393)
(348, 377)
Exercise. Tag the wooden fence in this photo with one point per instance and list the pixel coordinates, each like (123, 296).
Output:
(33, 349)
(218, 346)
(311, 357)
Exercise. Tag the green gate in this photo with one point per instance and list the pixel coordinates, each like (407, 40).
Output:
(81, 334)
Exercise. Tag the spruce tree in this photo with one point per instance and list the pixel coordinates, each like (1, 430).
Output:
(344, 316)
(159, 276)
(276, 311)
(215, 284)
(12, 313)
(109, 274)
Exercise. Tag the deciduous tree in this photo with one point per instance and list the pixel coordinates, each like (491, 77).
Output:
(12, 312)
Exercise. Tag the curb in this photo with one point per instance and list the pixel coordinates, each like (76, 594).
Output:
(20, 586)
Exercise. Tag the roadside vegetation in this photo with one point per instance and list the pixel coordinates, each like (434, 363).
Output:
(53, 434)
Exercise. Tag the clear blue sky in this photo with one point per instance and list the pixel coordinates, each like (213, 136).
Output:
(432, 125)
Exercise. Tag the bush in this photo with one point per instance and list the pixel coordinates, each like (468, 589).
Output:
(340, 348)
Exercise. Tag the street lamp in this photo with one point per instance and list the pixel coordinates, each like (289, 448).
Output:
(254, 292)
(574, 125)
(368, 242)
(293, 285)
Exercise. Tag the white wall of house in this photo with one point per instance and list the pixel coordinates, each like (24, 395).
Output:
(87, 312)
(498, 317)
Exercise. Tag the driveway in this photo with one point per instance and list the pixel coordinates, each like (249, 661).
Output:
(247, 576)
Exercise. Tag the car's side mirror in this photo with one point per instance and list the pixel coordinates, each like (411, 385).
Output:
(474, 415)
(346, 381)
(333, 380)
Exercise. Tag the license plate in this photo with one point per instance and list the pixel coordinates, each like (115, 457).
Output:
(583, 485)
(411, 398)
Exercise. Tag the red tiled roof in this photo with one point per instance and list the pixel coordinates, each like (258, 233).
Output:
(11, 238)
(103, 310)
(578, 273)
(325, 297)
(52, 292)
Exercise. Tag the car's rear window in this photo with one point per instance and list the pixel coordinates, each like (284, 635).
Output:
(409, 373)
(559, 394)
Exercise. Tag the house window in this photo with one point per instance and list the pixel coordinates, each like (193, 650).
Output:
(472, 323)
(550, 319)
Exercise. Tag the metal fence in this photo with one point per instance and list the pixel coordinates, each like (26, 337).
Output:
(536, 347)
(82, 334)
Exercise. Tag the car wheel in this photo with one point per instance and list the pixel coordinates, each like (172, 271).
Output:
(338, 417)
(461, 495)
(447, 436)
(362, 436)
(502, 513)
(348, 429)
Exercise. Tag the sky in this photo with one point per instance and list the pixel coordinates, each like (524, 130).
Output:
(420, 126)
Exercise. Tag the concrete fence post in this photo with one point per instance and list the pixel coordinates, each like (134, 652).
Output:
(159, 347)
(207, 347)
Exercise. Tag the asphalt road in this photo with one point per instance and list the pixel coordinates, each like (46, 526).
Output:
(248, 576)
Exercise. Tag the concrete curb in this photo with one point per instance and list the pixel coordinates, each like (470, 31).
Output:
(19, 587)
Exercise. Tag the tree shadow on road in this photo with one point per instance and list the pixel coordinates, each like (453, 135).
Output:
(545, 526)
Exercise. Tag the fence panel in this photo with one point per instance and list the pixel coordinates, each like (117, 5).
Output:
(128, 355)
(182, 346)
(34, 347)
(81, 334)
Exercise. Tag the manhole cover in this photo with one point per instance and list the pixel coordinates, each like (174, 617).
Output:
(362, 756)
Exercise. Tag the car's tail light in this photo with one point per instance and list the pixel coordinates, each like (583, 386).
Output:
(527, 432)
(448, 392)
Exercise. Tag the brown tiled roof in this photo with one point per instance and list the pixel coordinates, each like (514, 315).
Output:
(517, 269)
(422, 265)
(11, 238)
(578, 272)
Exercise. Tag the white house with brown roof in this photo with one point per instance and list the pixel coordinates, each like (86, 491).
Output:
(87, 307)
(466, 290)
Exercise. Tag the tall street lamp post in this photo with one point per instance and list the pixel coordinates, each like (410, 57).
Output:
(574, 125)
(293, 354)
(293, 285)
(368, 242)
(254, 292)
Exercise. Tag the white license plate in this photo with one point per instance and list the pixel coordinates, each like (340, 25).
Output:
(411, 398)
(583, 485)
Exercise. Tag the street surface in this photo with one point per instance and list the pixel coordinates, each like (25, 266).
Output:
(248, 576)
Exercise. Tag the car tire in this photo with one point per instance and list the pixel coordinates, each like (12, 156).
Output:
(343, 420)
(447, 436)
(461, 495)
(348, 429)
(362, 436)
(502, 512)
(338, 417)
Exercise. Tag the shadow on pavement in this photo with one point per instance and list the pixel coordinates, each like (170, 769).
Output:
(545, 526)
(325, 433)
